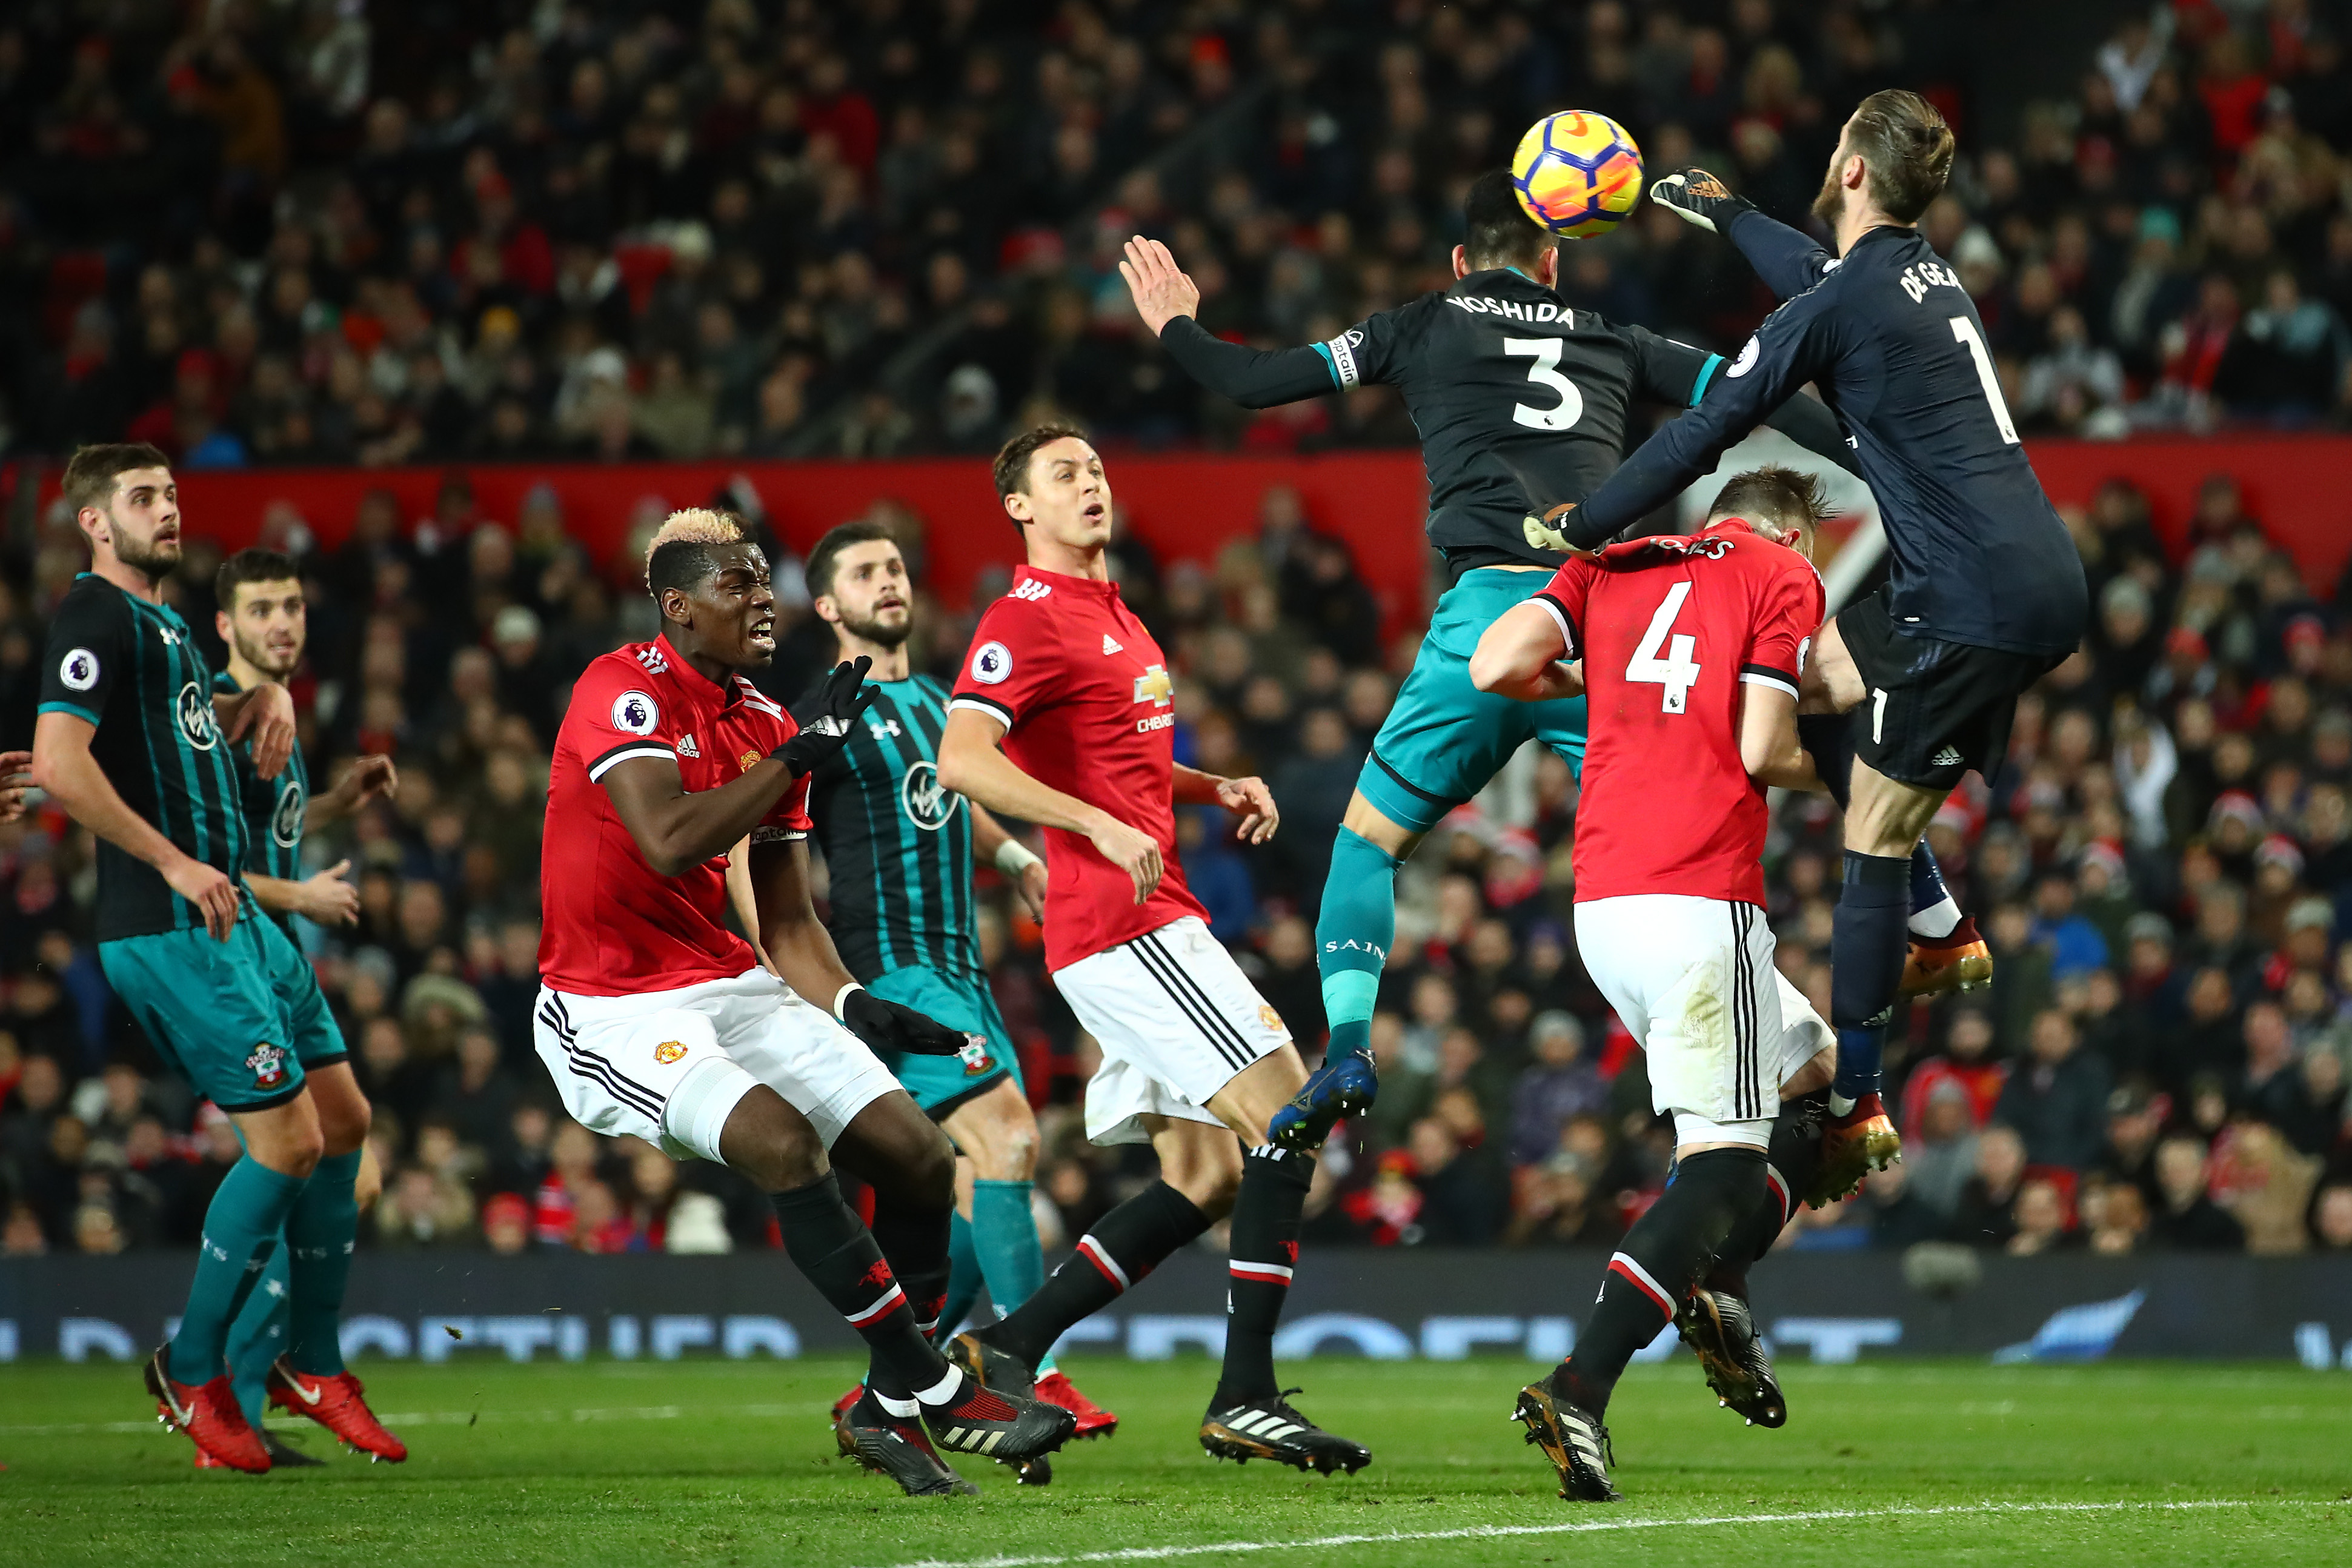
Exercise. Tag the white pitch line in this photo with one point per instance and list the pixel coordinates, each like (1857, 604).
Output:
(1586, 1527)
(461, 1417)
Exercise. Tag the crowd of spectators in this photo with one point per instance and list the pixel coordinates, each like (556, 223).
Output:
(667, 229)
(514, 230)
(2163, 869)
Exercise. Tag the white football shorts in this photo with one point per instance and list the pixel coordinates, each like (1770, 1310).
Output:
(669, 1065)
(1695, 983)
(1176, 1019)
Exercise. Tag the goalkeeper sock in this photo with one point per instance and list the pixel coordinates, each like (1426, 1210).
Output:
(1829, 738)
(1867, 946)
(1353, 932)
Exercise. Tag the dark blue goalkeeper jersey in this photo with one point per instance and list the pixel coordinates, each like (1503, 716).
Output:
(1978, 555)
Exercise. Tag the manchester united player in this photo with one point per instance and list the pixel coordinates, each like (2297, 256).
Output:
(1691, 650)
(1062, 717)
(655, 1020)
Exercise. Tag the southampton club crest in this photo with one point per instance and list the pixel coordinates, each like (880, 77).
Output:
(195, 715)
(267, 1066)
(926, 805)
(976, 1056)
(286, 822)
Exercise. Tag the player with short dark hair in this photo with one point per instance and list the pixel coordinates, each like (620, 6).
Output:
(1693, 650)
(1987, 593)
(273, 1359)
(1522, 403)
(655, 1020)
(1064, 717)
(899, 852)
(136, 746)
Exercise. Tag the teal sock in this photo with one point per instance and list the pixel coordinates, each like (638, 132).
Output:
(1006, 1230)
(1352, 936)
(319, 1233)
(259, 1338)
(963, 1276)
(240, 1228)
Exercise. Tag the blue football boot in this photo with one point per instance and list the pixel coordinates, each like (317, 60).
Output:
(1341, 1087)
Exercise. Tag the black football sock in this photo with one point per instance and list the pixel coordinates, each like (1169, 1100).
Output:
(1869, 939)
(1264, 1249)
(839, 1257)
(1661, 1257)
(1789, 1166)
(1124, 1246)
(914, 1242)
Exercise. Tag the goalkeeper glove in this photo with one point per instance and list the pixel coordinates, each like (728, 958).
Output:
(1696, 197)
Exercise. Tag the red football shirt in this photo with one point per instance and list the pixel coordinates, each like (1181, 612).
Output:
(613, 926)
(1669, 629)
(1087, 703)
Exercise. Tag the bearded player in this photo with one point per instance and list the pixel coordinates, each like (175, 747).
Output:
(1691, 653)
(1063, 717)
(1986, 593)
(657, 1021)
(898, 853)
(272, 1358)
(1522, 403)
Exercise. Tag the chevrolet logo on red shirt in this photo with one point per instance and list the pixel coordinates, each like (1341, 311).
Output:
(1153, 686)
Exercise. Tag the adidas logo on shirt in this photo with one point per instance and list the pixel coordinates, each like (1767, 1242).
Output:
(687, 748)
(650, 657)
(1032, 590)
(1109, 646)
(1950, 757)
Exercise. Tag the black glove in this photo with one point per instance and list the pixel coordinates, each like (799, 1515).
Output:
(825, 716)
(895, 1030)
(1696, 197)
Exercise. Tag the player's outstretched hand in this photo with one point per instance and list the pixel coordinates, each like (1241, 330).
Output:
(267, 715)
(889, 1028)
(209, 890)
(1134, 852)
(1696, 197)
(825, 717)
(1250, 800)
(1549, 531)
(328, 898)
(1161, 290)
(16, 783)
(364, 780)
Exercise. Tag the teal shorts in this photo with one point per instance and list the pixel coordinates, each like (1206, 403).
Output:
(1445, 739)
(939, 1084)
(219, 1011)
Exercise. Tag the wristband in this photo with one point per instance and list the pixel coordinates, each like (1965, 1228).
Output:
(840, 997)
(1013, 857)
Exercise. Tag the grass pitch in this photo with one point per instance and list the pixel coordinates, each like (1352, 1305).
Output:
(731, 1463)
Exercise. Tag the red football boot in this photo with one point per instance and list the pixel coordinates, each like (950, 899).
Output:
(1958, 961)
(337, 1404)
(841, 1409)
(207, 1413)
(1861, 1140)
(1055, 1388)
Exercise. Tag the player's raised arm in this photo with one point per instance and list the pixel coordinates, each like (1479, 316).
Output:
(1782, 357)
(1787, 260)
(1678, 376)
(1254, 378)
(972, 764)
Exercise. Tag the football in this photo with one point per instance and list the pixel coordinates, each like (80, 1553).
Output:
(1578, 174)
